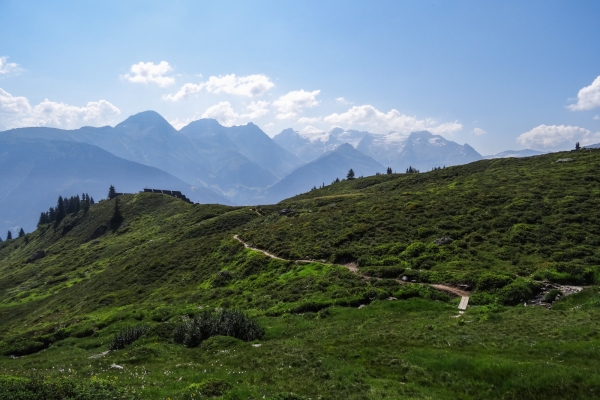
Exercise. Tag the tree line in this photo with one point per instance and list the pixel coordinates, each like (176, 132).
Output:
(66, 206)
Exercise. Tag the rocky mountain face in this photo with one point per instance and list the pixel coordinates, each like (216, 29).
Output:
(421, 150)
(36, 171)
(323, 170)
(310, 149)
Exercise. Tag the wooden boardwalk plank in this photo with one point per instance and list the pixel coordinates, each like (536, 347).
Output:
(464, 302)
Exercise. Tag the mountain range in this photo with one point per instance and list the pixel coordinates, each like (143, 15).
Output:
(36, 171)
(207, 161)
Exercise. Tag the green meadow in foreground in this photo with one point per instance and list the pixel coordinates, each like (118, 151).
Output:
(191, 313)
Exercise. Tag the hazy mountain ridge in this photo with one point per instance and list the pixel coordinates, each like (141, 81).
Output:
(37, 171)
(421, 150)
(323, 170)
(230, 160)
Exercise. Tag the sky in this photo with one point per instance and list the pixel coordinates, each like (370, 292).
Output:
(497, 75)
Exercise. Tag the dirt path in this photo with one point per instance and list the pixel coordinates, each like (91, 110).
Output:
(352, 267)
(266, 253)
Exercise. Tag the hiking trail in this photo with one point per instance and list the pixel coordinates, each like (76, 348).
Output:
(352, 267)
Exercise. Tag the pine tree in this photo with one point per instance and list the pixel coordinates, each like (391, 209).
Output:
(112, 193)
(92, 202)
(577, 147)
(389, 170)
(52, 214)
(43, 219)
(117, 218)
(21, 233)
(9, 236)
(61, 212)
(350, 175)
(337, 180)
(85, 206)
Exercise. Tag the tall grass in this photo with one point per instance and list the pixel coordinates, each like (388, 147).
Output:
(226, 323)
(126, 336)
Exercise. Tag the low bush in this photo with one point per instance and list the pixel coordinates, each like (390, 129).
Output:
(518, 291)
(491, 282)
(552, 295)
(383, 272)
(126, 336)
(193, 332)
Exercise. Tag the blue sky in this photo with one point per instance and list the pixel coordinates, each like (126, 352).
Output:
(497, 75)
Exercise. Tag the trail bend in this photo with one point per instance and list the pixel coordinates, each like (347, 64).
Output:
(352, 267)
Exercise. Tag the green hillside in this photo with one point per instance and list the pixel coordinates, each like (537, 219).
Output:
(513, 224)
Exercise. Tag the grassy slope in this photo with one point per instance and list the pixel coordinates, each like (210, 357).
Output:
(518, 217)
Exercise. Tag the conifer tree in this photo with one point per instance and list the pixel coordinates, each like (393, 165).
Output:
(389, 170)
(350, 175)
(92, 202)
(9, 236)
(21, 233)
(52, 214)
(112, 193)
(337, 180)
(61, 212)
(117, 218)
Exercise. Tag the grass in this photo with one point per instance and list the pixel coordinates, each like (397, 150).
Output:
(513, 222)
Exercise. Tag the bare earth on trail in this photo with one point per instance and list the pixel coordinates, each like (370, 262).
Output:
(352, 267)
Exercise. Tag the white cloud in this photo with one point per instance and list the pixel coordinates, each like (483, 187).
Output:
(16, 112)
(186, 90)
(151, 73)
(257, 109)
(557, 136)
(588, 97)
(222, 112)
(342, 100)
(8, 68)
(375, 121)
(312, 130)
(479, 131)
(249, 86)
(291, 104)
(269, 126)
(596, 117)
(307, 120)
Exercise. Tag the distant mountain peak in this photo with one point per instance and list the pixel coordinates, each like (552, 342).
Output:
(345, 148)
(146, 119)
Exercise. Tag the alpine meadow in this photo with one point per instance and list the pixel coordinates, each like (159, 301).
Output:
(247, 200)
(142, 310)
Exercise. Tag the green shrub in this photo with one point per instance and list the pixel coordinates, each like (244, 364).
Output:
(491, 282)
(126, 336)
(481, 299)
(518, 291)
(551, 295)
(193, 332)
(383, 272)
